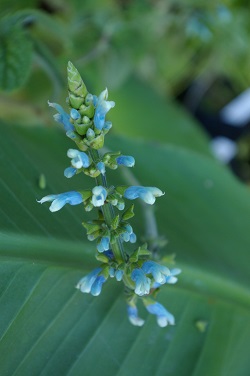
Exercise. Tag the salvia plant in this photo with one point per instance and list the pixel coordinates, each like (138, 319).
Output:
(142, 277)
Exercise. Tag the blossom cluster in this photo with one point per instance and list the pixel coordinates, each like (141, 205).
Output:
(86, 126)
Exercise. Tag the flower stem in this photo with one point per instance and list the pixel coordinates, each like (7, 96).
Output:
(108, 211)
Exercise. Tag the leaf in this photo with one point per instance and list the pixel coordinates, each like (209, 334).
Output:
(56, 330)
(15, 55)
(156, 118)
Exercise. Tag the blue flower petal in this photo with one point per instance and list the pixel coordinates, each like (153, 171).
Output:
(103, 106)
(159, 272)
(147, 194)
(74, 114)
(126, 160)
(142, 283)
(101, 167)
(133, 316)
(79, 159)
(163, 316)
(99, 196)
(85, 284)
(69, 172)
(58, 201)
(97, 285)
(62, 117)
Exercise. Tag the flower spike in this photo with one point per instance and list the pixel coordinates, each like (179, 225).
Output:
(86, 126)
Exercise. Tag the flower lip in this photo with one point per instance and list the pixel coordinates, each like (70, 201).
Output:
(133, 316)
(102, 107)
(61, 199)
(79, 159)
(147, 194)
(62, 117)
(99, 196)
(163, 316)
(142, 283)
(126, 160)
(159, 272)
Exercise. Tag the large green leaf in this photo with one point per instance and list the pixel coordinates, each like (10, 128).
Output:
(47, 327)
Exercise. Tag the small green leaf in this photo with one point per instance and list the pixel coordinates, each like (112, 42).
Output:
(90, 227)
(115, 222)
(129, 213)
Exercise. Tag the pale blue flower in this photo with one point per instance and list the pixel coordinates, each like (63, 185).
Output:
(159, 272)
(92, 283)
(62, 117)
(103, 245)
(85, 284)
(132, 238)
(171, 278)
(69, 172)
(79, 159)
(120, 205)
(147, 194)
(107, 125)
(142, 283)
(111, 272)
(59, 200)
(126, 160)
(126, 237)
(74, 114)
(103, 106)
(101, 167)
(99, 196)
(162, 315)
(97, 285)
(133, 316)
(119, 275)
(90, 134)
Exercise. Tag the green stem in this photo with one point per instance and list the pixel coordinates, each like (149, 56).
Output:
(108, 211)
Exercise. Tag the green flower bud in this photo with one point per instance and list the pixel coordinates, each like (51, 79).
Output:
(87, 110)
(75, 101)
(75, 83)
(98, 142)
(82, 128)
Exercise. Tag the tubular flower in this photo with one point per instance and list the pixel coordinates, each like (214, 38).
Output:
(69, 172)
(171, 278)
(147, 194)
(162, 315)
(79, 159)
(133, 316)
(103, 106)
(99, 196)
(142, 283)
(125, 160)
(58, 201)
(101, 167)
(62, 117)
(92, 283)
(158, 271)
(103, 245)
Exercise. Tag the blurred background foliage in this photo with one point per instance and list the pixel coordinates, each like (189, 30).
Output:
(168, 45)
(170, 66)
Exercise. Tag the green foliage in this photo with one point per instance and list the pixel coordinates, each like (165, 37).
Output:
(59, 331)
(167, 45)
(15, 55)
